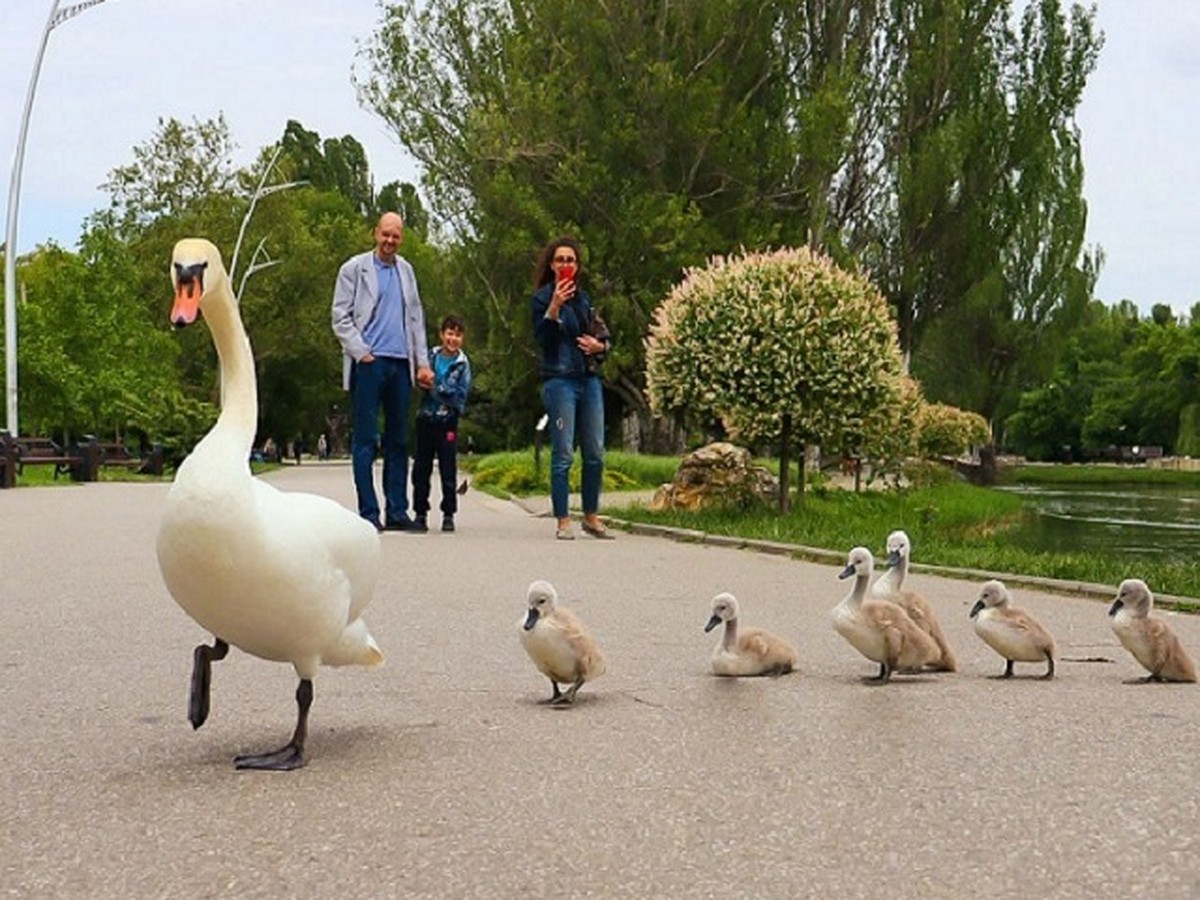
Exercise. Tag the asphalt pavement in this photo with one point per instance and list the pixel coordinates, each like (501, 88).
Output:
(441, 774)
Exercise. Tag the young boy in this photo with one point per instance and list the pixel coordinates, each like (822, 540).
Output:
(437, 425)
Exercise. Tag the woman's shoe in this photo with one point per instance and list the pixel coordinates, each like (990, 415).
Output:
(564, 534)
(597, 532)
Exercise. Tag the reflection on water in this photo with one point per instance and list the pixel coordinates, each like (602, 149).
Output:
(1146, 520)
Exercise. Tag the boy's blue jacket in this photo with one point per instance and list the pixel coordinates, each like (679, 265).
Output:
(448, 399)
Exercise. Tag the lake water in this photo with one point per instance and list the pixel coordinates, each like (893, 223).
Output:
(1142, 520)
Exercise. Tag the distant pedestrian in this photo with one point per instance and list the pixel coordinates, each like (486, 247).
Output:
(437, 425)
(322, 447)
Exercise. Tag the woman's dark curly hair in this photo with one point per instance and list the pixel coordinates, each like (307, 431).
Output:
(542, 273)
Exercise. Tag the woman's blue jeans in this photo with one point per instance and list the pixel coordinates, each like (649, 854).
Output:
(576, 410)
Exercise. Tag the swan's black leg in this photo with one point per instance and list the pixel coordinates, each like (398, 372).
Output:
(202, 660)
(291, 755)
(1008, 669)
(554, 698)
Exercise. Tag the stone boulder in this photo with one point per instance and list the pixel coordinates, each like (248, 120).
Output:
(719, 474)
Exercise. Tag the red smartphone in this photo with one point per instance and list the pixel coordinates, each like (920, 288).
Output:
(566, 273)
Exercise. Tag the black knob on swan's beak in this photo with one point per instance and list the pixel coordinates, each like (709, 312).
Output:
(186, 275)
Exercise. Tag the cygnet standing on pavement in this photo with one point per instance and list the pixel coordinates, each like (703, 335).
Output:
(878, 629)
(1011, 632)
(558, 645)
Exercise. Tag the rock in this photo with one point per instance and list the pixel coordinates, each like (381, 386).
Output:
(718, 474)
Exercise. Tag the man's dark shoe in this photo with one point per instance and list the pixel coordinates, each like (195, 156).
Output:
(419, 524)
(447, 522)
(405, 524)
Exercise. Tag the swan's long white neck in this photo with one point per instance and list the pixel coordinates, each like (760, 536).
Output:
(238, 421)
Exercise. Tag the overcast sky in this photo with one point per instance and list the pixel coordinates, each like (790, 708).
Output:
(112, 71)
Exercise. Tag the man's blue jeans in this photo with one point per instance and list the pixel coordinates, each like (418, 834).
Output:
(576, 410)
(384, 383)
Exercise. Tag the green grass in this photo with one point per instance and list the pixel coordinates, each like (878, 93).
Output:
(43, 475)
(516, 472)
(1096, 475)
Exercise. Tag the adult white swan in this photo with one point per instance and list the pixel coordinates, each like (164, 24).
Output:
(284, 577)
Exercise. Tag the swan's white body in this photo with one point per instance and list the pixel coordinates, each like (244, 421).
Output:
(744, 652)
(879, 629)
(1147, 637)
(282, 576)
(890, 587)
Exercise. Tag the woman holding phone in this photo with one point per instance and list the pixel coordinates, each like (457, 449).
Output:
(573, 341)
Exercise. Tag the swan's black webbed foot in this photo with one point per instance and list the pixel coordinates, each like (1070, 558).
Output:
(282, 760)
(202, 660)
(291, 755)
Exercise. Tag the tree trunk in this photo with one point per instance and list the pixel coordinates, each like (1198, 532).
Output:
(785, 463)
(800, 461)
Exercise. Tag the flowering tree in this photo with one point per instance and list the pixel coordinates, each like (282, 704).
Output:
(949, 431)
(784, 346)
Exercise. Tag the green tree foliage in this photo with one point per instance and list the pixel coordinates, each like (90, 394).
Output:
(1122, 381)
(984, 262)
(180, 168)
(780, 346)
(658, 133)
(929, 141)
(91, 361)
(338, 165)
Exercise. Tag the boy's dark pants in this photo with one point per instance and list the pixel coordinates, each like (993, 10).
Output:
(438, 439)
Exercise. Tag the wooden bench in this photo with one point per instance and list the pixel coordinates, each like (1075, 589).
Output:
(81, 460)
(117, 454)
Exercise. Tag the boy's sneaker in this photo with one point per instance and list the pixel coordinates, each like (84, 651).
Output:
(419, 524)
(447, 522)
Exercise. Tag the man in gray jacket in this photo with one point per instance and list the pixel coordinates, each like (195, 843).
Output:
(378, 319)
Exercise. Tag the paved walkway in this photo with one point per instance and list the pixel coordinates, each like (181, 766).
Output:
(441, 776)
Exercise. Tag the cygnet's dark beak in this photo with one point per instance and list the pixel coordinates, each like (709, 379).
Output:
(531, 619)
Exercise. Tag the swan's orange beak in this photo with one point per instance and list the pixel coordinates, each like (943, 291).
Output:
(189, 287)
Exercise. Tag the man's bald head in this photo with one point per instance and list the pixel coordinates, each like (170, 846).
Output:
(389, 234)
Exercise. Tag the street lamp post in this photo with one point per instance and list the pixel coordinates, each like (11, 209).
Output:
(57, 17)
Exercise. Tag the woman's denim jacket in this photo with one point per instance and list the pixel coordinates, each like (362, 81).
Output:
(561, 356)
